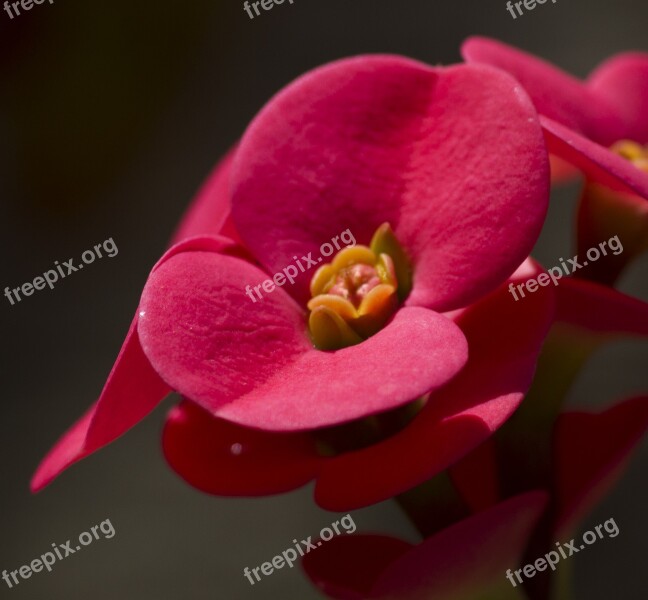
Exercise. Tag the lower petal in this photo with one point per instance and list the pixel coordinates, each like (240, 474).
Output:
(225, 459)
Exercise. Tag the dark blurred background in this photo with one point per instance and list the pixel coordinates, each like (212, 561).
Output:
(111, 114)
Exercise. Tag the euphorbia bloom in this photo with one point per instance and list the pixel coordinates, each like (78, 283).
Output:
(448, 168)
(592, 124)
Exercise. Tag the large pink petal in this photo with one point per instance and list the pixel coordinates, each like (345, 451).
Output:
(555, 93)
(468, 559)
(253, 363)
(453, 158)
(596, 162)
(225, 459)
(504, 339)
(623, 82)
(590, 453)
(132, 390)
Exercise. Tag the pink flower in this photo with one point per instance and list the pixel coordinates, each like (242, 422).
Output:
(582, 120)
(454, 161)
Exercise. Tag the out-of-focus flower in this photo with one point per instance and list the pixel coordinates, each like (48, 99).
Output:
(583, 121)
(467, 560)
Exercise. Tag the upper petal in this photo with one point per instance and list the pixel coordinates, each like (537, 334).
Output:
(252, 362)
(452, 158)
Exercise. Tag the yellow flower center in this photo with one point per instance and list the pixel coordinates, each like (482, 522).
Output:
(632, 151)
(355, 295)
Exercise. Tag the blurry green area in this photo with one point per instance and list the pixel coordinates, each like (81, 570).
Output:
(84, 83)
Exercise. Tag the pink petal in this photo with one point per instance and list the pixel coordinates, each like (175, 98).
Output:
(596, 162)
(252, 362)
(600, 309)
(450, 157)
(623, 82)
(210, 212)
(221, 458)
(133, 389)
(504, 339)
(556, 94)
(467, 559)
(346, 567)
(590, 453)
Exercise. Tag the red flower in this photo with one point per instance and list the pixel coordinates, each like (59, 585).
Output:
(454, 160)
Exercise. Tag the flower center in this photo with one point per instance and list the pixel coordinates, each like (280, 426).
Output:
(632, 151)
(355, 295)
